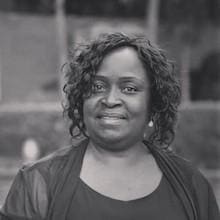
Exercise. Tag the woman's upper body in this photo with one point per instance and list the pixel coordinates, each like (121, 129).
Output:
(36, 186)
(115, 87)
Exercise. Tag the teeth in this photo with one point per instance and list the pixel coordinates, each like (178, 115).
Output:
(111, 117)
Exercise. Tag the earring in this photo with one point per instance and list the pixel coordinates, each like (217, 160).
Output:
(144, 136)
(150, 124)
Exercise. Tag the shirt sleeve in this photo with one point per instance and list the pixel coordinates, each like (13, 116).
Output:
(27, 197)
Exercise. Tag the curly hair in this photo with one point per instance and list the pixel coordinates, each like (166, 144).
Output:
(164, 87)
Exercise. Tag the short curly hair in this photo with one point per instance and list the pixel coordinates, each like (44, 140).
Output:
(164, 87)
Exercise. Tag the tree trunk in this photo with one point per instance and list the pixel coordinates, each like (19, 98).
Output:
(152, 19)
(61, 28)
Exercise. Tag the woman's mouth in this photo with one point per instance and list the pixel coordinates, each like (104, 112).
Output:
(111, 119)
(112, 116)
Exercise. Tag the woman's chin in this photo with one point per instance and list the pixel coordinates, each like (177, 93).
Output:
(113, 141)
(112, 137)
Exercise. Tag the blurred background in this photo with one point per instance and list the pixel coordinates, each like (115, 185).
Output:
(34, 39)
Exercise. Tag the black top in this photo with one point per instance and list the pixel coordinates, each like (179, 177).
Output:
(46, 190)
(161, 204)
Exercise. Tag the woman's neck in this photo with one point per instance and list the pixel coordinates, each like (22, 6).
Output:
(127, 156)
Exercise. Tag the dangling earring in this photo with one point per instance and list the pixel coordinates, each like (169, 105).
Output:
(150, 124)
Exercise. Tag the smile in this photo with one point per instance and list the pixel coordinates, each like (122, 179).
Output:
(112, 116)
(111, 120)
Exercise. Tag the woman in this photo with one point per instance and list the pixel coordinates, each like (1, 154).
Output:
(122, 96)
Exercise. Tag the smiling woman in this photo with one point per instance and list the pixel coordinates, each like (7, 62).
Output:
(115, 114)
(117, 87)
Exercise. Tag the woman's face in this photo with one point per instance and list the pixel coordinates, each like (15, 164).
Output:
(116, 112)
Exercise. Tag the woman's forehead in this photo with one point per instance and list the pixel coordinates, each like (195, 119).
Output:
(122, 60)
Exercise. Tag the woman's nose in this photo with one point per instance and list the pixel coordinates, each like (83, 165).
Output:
(111, 98)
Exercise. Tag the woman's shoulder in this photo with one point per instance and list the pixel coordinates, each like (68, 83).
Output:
(200, 187)
(53, 158)
(168, 159)
(31, 189)
(50, 164)
(189, 171)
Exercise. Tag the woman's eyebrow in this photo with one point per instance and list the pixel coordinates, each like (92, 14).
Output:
(125, 78)
(121, 79)
(100, 77)
(131, 78)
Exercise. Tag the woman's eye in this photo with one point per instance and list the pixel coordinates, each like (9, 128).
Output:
(129, 89)
(98, 88)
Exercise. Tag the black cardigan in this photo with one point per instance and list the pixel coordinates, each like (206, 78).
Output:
(44, 190)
